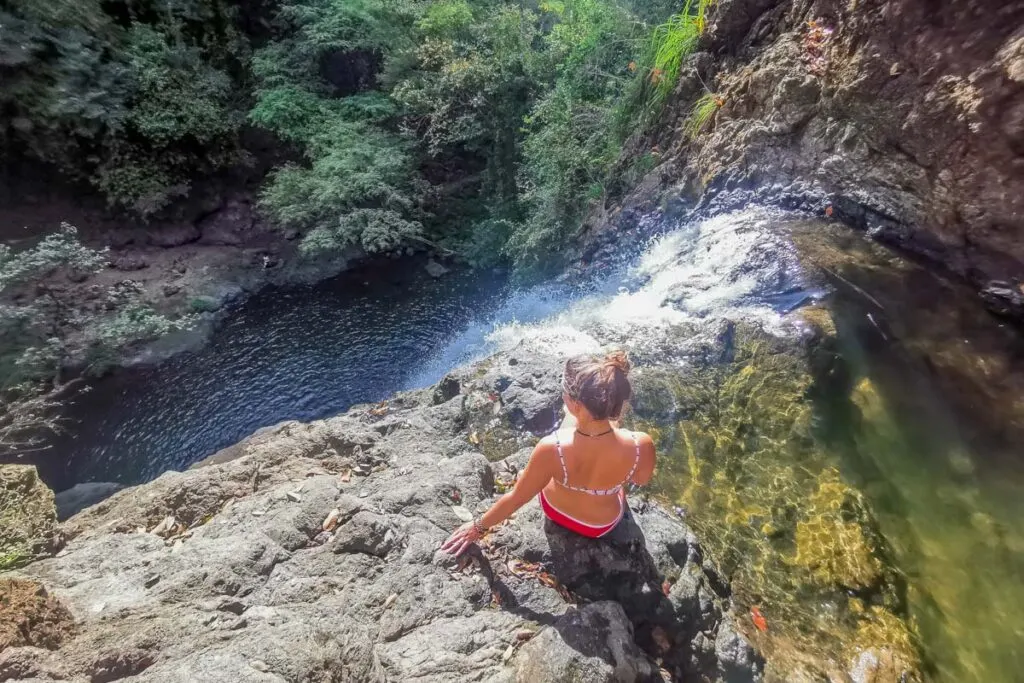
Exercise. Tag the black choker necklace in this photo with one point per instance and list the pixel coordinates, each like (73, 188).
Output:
(610, 430)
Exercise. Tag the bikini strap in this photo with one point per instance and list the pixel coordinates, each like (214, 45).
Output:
(561, 459)
(636, 461)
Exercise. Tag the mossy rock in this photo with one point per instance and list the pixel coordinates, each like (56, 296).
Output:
(28, 516)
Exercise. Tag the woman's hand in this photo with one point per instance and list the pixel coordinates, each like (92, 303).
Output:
(462, 538)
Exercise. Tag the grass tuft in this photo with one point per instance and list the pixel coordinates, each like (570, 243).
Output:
(701, 113)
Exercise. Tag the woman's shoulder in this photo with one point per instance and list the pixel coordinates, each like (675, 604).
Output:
(643, 439)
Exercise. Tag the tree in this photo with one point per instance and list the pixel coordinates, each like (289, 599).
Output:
(43, 324)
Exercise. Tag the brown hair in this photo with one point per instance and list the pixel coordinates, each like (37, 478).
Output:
(600, 384)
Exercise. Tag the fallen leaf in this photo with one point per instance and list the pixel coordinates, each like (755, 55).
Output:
(164, 527)
(828, 211)
(524, 634)
(346, 476)
(462, 513)
(391, 600)
(474, 439)
(258, 513)
(331, 520)
(511, 650)
(547, 579)
(661, 639)
(666, 587)
(294, 496)
(496, 598)
(759, 621)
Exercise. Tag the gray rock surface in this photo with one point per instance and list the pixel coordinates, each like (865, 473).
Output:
(225, 572)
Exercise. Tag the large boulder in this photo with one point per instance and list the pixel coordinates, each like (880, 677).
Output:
(28, 518)
(312, 553)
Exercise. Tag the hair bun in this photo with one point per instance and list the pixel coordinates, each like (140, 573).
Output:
(618, 359)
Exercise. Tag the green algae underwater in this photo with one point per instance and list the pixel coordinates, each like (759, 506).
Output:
(861, 486)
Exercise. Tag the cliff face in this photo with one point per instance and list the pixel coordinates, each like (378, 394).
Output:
(309, 552)
(903, 117)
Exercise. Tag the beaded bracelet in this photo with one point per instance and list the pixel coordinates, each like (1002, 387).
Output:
(480, 528)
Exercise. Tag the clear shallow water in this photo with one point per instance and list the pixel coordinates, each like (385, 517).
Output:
(935, 383)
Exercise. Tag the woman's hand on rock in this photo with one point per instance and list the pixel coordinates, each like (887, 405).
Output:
(461, 538)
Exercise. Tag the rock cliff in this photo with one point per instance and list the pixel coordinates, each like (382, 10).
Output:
(309, 552)
(902, 117)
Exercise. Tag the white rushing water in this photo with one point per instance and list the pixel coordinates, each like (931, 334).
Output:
(736, 266)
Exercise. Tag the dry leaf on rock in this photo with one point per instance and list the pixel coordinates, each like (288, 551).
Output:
(331, 521)
(462, 513)
(661, 639)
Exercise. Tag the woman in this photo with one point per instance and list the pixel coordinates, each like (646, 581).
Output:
(580, 472)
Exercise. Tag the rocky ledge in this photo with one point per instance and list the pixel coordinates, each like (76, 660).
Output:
(309, 552)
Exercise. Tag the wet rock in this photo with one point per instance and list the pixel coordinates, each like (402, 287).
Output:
(435, 269)
(128, 261)
(80, 496)
(171, 288)
(447, 389)
(1005, 299)
(172, 235)
(594, 643)
(228, 226)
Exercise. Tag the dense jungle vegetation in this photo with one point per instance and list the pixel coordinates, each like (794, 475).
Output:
(485, 127)
(481, 128)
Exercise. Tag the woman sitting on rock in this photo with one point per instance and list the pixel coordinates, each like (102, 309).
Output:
(581, 472)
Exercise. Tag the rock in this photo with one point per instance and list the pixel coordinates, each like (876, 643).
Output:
(128, 261)
(204, 304)
(31, 616)
(170, 288)
(113, 665)
(737, 660)
(594, 643)
(533, 400)
(1005, 299)
(435, 269)
(172, 235)
(80, 496)
(447, 389)
(28, 517)
(253, 588)
(229, 225)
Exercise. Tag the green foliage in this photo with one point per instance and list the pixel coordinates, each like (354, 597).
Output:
(703, 109)
(137, 98)
(43, 326)
(675, 40)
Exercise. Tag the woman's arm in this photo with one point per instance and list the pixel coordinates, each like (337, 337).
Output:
(645, 470)
(534, 477)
